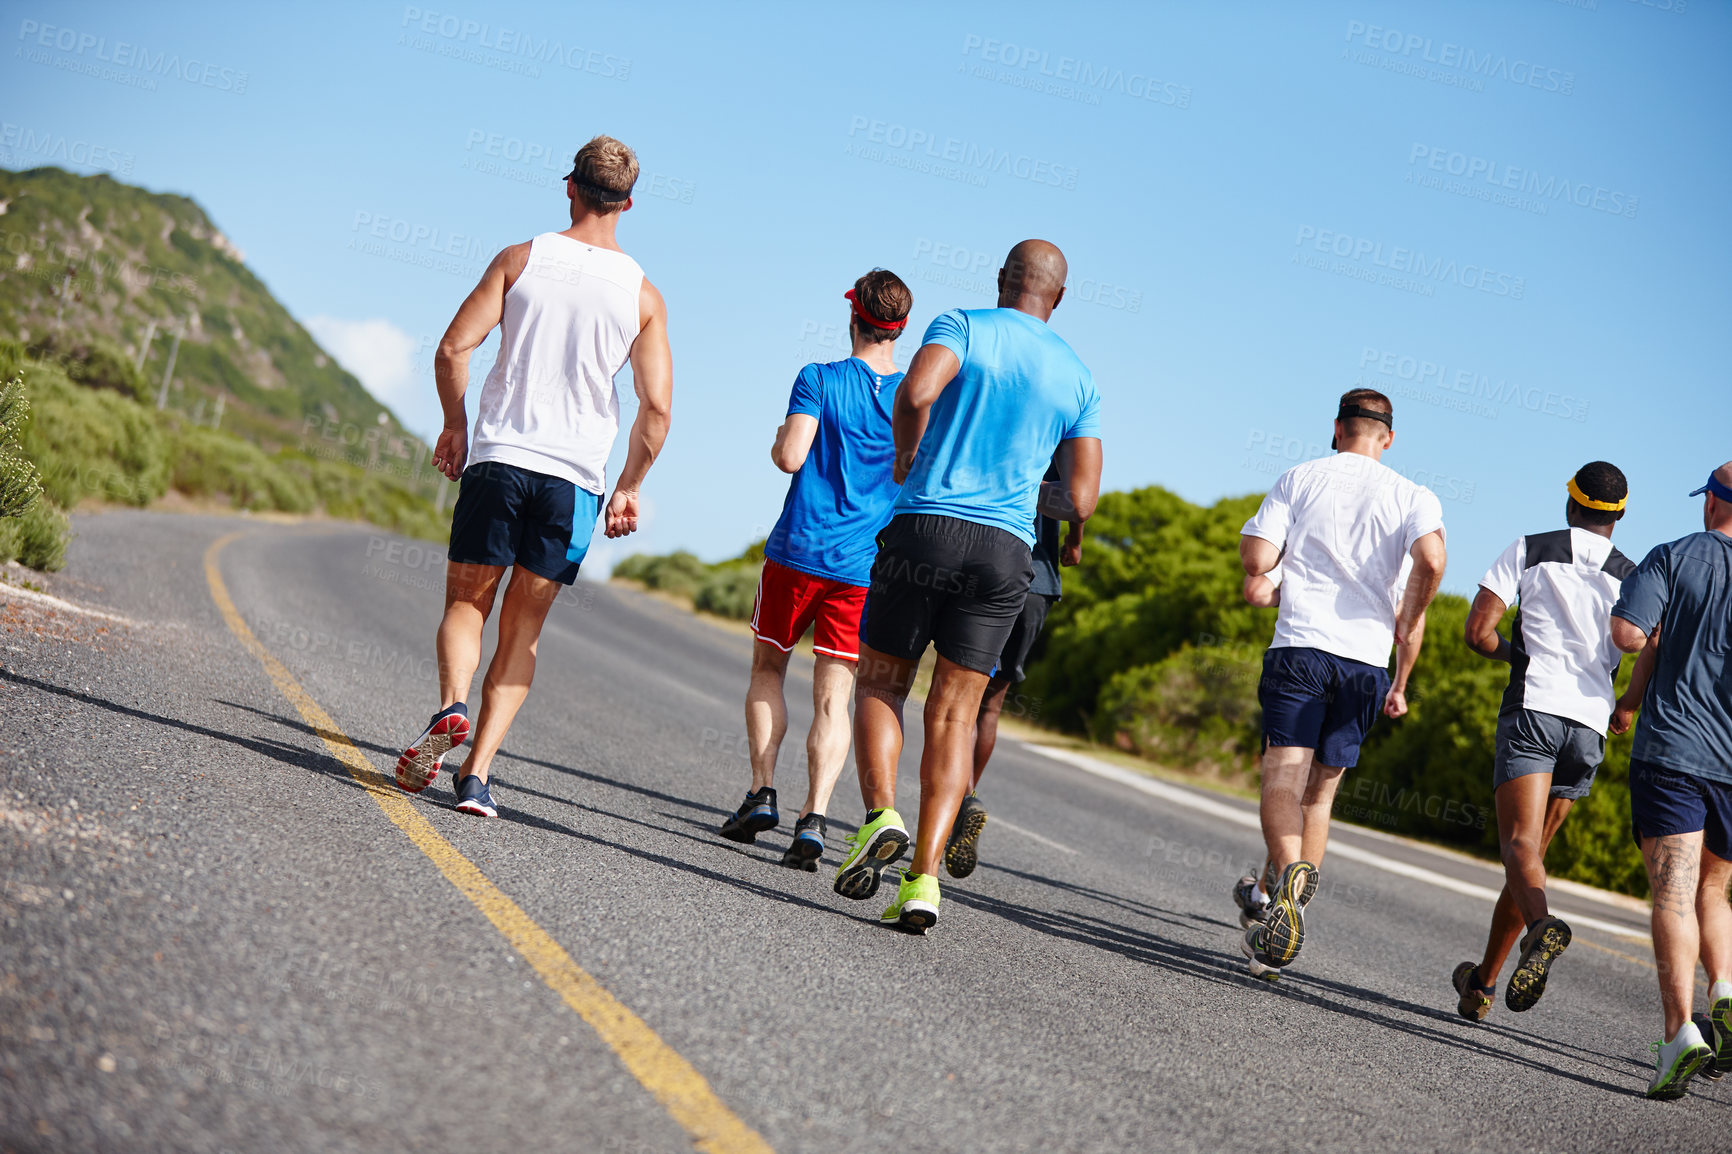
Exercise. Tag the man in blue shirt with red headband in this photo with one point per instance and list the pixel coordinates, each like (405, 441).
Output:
(989, 397)
(1677, 609)
(818, 559)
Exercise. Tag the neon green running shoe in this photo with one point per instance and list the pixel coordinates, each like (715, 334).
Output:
(1677, 1061)
(916, 904)
(877, 843)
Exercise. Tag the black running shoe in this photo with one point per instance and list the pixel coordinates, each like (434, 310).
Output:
(755, 815)
(960, 851)
(1540, 948)
(1251, 908)
(808, 844)
(1711, 1069)
(1475, 1000)
(1284, 921)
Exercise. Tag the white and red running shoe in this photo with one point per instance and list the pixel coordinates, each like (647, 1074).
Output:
(420, 763)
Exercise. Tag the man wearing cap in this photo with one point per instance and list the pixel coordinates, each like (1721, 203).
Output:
(837, 443)
(1676, 608)
(1361, 554)
(572, 308)
(1551, 730)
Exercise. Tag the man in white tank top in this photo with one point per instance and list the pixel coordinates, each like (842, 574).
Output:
(573, 308)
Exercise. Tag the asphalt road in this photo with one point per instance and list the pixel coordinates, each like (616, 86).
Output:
(214, 939)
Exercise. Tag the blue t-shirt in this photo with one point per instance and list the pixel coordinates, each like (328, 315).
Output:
(992, 431)
(1685, 587)
(841, 496)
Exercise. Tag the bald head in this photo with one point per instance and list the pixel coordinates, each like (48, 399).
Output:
(1032, 279)
(1724, 474)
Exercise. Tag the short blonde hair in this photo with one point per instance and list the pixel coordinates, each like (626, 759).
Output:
(604, 172)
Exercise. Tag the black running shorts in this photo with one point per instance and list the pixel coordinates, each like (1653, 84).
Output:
(948, 582)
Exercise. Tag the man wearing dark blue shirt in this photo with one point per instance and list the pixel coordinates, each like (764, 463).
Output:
(1677, 609)
(836, 441)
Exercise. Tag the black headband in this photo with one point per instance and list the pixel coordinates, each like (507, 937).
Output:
(596, 192)
(1348, 412)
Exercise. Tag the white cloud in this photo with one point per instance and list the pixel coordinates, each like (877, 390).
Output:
(383, 357)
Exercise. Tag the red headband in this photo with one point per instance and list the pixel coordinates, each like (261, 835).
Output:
(870, 319)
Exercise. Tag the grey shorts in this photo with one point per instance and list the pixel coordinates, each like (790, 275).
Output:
(1533, 742)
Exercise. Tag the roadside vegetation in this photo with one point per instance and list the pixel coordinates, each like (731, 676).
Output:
(87, 437)
(1153, 652)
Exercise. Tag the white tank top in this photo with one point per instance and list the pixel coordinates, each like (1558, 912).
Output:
(548, 404)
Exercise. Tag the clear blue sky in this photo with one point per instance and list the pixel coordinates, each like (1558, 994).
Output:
(1510, 216)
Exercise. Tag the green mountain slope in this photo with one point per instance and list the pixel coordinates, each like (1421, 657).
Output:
(107, 292)
(92, 268)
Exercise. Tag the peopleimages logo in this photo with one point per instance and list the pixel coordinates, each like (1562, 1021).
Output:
(1473, 385)
(1368, 257)
(20, 144)
(1517, 187)
(132, 64)
(1409, 52)
(1064, 72)
(923, 149)
(464, 34)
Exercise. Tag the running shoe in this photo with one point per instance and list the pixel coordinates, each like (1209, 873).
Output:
(1476, 999)
(1548, 938)
(1720, 1015)
(474, 797)
(808, 844)
(916, 904)
(1711, 1069)
(420, 763)
(755, 815)
(1250, 949)
(1677, 1061)
(872, 847)
(960, 855)
(1251, 907)
(1277, 938)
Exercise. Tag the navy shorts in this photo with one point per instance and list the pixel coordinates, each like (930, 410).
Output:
(1664, 801)
(510, 516)
(1318, 701)
(1529, 741)
(943, 581)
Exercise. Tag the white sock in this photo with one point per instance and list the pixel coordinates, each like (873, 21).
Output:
(1258, 896)
(1719, 990)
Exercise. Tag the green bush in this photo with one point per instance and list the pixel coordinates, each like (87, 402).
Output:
(92, 442)
(37, 538)
(20, 486)
(94, 363)
(679, 573)
(729, 592)
(1195, 708)
(208, 463)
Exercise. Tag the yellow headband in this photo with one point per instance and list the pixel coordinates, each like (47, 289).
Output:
(1582, 498)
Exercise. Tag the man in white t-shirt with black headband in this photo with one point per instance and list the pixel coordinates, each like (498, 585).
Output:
(1551, 729)
(572, 308)
(1360, 550)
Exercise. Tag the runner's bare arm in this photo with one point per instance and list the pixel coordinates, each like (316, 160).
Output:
(652, 376)
(1627, 635)
(1625, 714)
(1482, 622)
(1257, 555)
(1078, 488)
(934, 367)
(1422, 582)
(794, 441)
(1406, 655)
(476, 317)
(1260, 592)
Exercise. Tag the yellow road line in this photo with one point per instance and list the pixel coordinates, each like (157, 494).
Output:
(680, 1089)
